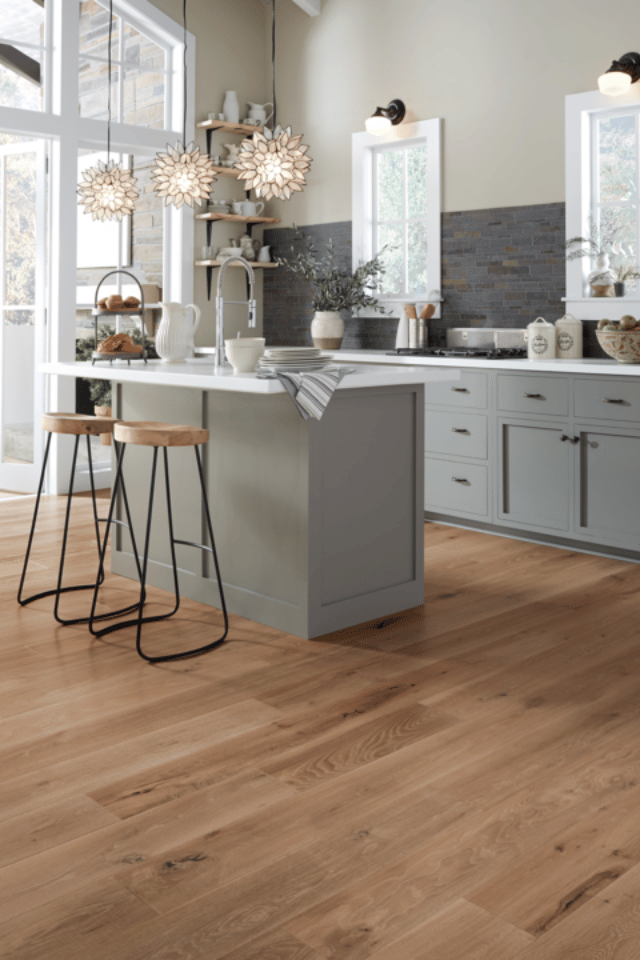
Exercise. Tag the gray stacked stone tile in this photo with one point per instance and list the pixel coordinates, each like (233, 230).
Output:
(500, 268)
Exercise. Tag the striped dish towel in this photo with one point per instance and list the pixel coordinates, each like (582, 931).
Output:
(310, 392)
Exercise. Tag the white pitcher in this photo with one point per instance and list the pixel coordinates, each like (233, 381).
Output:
(174, 339)
(258, 111)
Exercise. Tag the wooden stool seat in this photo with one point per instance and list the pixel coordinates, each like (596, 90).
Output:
(77, 424)
(146, 433)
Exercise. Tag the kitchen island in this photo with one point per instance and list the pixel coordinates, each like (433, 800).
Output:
(318, 524)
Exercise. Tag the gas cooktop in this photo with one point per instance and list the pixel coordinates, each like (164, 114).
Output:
(486, 353)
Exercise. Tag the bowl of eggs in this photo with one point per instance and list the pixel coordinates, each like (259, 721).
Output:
(621, 339)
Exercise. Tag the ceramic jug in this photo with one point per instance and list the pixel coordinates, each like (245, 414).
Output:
(258, 111)
(541, 340)
(174, 339)
(264, 254)
(231, 107)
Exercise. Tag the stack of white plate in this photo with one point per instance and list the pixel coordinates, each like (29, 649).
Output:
(294, 359)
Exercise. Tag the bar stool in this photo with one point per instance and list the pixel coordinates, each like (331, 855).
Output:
(149, 434)
(74, 424)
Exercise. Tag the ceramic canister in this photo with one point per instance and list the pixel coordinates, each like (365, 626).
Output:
(568, 338)
(541, 340)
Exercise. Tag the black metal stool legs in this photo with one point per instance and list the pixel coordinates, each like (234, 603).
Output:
(143, 573)
(55, 592)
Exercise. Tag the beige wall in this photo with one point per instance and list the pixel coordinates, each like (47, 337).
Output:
(496, 71)
(230, 38)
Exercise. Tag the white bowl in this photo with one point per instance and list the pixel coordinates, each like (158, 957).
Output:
(243, 353)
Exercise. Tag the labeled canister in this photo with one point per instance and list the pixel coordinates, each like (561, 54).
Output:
(568, 338)
(541, 340)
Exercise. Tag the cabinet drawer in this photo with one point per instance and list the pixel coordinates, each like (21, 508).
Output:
(457, 487)
(469, 391)
(456, 434)
(611, 399)
(521, 393)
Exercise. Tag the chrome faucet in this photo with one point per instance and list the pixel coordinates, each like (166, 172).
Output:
(220, 301)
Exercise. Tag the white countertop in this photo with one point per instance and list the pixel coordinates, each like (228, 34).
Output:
(200, 374)
(586, 365)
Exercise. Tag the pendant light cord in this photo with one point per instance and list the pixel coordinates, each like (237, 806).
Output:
(273, 59)
(184, 74)
(109, 82)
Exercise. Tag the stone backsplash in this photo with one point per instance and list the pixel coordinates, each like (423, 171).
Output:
(500, 268)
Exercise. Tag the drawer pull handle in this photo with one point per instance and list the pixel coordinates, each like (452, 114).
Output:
(459, 389)
(533, 396)
(459, 430)
(608, 400)
(460, 479)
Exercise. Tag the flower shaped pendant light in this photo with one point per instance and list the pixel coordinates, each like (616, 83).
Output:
(273, 163)
(182, 174)
(109, 192)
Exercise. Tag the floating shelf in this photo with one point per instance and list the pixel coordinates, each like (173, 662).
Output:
(227, 171)
(229, 127)
(235, 218)
(218, 263)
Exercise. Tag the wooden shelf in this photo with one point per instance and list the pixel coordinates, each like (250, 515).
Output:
(235, 218)
(227, 171)
(229, 127)
(218, 263)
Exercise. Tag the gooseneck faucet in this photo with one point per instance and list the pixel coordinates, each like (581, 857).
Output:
(220, 302)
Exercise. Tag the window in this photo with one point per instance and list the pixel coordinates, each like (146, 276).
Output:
(64, 110)
(602, 177)
(396, 209)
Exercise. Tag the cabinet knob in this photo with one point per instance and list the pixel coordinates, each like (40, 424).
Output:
(460, 479)
(459, 389)
(459, 430)
(609, 400)
(564, 437)
(533, 396)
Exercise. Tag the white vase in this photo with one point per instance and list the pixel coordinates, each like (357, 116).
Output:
(174, 339)
(327, 329)
(231, 107)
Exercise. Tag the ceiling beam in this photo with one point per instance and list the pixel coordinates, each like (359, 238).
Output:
(20, 63)
(312, 7)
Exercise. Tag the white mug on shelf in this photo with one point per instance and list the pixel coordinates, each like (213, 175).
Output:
(236, 207)
(250, 208)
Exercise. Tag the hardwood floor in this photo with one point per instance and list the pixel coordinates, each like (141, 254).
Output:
(459, 782)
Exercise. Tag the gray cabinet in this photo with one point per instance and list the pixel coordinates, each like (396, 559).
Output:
(534, 470)
(555, 457)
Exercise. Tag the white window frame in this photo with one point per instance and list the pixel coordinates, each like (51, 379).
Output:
(364, 147)
(580, 109)
(60, 123)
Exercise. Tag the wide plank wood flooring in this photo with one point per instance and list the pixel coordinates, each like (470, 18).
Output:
(457, 782)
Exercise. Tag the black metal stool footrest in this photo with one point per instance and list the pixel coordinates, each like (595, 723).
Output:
(145, 559)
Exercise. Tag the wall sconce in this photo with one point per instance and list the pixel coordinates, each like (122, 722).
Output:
(382, 120)
(620, 75)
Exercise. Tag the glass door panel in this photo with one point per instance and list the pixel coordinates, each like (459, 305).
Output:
(22, 204)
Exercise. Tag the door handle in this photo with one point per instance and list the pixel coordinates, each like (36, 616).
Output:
(533, 396)
(459, 430)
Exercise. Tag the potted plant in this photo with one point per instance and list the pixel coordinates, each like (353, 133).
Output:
(623, 272)
(333, 288)
(600, 243)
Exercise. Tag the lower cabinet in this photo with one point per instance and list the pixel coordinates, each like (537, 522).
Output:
(551, 455)
(534, 474)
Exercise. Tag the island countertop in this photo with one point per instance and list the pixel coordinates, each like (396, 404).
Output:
(200, 374)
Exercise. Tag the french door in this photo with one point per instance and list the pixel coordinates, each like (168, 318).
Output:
(22, 310)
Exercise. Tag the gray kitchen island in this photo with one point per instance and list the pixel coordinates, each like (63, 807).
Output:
(318, 524)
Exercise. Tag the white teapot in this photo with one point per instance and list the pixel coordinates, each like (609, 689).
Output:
(174, 339)
(258, 111)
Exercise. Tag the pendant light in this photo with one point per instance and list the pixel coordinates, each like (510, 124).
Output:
(273, 163)
(183, 174)
(109, 192)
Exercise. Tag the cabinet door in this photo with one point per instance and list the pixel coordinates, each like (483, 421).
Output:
(534, 474)
(608, 485)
